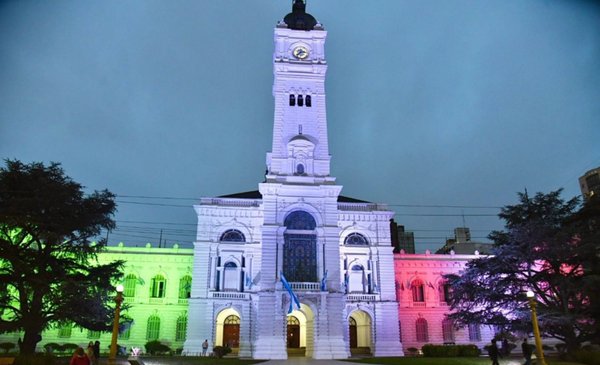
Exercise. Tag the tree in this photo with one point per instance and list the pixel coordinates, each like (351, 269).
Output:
(548, 247)
(49, 273)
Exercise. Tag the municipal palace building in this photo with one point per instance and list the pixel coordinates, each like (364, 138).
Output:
(354, 294)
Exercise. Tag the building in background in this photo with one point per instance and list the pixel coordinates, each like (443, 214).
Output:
(462, 244)
(590, 183)
(402, 240)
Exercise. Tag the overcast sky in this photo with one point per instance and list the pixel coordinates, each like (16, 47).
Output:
(430, 103)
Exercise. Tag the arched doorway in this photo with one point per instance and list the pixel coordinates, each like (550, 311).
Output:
(293, 332)
(228, 329)
(359, 324)
(300, 332)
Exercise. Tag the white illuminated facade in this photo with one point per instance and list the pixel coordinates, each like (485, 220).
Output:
(335, 251)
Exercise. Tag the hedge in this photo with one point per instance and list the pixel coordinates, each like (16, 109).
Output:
(430, 350)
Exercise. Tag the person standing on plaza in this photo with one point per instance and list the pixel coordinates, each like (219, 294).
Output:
(527, 351)
(204, 347)
(79, 358)
(97, 351)
(493, 352)
(90, 353)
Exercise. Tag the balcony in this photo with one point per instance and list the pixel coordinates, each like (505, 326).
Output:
(306, 286)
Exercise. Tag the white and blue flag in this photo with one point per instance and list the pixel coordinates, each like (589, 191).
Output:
(293, 297)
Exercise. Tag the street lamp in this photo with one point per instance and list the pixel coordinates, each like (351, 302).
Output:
(115, 331)
(536, 329)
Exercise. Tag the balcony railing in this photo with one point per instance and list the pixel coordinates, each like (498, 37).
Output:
(156, 300)
(306, 286)
(418, 304)
(229, 295)
(363, 297)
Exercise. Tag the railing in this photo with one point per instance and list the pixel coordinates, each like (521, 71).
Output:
(156, 300)
(363, 297)
(229, 295)
(306, 286)
(418, 304)
(182, 301)
(230, 202)
(361, 207)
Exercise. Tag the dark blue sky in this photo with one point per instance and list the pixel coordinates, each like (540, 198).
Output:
(429, 103)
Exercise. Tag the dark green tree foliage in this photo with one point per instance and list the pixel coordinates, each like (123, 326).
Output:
(49, 272)
(548, 247)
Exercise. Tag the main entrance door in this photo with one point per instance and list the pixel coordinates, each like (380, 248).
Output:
(231, 331)
(293, 332)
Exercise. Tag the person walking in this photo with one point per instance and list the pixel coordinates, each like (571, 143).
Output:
(527, 351)
(204, 347)
(493, 352)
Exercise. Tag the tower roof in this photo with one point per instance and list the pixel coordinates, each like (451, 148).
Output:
(299, 19)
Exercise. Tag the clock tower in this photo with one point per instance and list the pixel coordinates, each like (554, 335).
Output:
(300, 151)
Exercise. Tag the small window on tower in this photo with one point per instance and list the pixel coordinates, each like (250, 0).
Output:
(292, 100)
(300, 169)
(308, 101)
(300, 100)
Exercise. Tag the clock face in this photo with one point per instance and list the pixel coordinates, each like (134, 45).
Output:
(300, 52)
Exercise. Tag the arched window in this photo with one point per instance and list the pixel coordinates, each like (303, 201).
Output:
(422, 331)
(356, 239)
(233, 235)
(158, 286)
(474, 332)
(181, 328)
(448, 330)
(444, 291)
(292, 100)
(300, 248)
(232, 319)
(185, 287)
(300, 100)
(153, 328)
(129, 286)
(352, 321)
(64, 331)
(300, 220)
(124, 335)
(293, 321)
(418, 291)
(231, 277)
(300, 169)
(308, 101)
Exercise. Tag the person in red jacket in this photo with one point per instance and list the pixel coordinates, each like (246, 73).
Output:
(79, 358)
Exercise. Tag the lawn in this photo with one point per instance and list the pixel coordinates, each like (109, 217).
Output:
(449, 361)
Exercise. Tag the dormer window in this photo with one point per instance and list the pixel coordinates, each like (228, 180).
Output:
(300, 100)
(292, 100)
(300, 169)
(308, 101)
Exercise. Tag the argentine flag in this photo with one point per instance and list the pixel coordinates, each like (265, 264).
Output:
(293, 297)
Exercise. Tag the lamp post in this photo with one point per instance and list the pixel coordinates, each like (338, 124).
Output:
(536, 329)
(115, 331)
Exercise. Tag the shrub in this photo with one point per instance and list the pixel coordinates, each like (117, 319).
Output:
(412, 351)
(50, 347)
(587, 357)
(35, 359)
(156, 347)
(69, 347)
(221, 351)
(7, 346)
(430, 350)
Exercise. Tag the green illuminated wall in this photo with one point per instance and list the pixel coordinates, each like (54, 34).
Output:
(146, 263)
